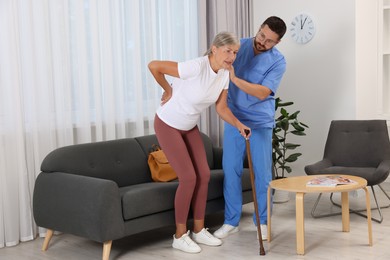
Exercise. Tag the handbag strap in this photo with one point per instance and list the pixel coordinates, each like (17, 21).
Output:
(154, 148)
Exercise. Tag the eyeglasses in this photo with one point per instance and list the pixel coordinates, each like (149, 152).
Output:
(260, 37)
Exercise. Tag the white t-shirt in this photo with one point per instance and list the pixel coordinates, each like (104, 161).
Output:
(197, 88)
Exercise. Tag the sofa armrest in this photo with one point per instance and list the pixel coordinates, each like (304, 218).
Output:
(79, 205)
(316, 167)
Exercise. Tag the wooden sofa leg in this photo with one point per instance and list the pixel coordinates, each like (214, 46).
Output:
(106, 250)
(48, 236)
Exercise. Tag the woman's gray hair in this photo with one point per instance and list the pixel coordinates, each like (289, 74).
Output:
(222, 39)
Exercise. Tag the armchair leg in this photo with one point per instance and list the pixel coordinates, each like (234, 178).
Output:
(358, 212)
(322, 215)
(106, 250)
(49, 234)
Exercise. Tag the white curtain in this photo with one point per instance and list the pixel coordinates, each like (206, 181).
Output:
(72, 72)
(216, 16)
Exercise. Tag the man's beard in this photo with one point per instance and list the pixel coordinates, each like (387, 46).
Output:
(258, 47)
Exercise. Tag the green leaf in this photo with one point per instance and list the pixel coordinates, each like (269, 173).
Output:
(278, 139)
(277, 130)
(277, 150)
(285, 104)
(291, 146)
(297, 126)
(284, 124)
(293, 157)
(277, 101)
(304, 125)
(300, 133)
(286, 168)
(283, 112)
(294, 115)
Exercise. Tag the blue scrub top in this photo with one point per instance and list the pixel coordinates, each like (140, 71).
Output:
(265, 69)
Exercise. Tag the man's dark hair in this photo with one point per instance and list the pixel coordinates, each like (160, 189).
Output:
(276, 24)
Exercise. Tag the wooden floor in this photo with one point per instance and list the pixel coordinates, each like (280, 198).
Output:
(323, 237)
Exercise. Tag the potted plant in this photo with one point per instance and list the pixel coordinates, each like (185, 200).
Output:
(286, 124)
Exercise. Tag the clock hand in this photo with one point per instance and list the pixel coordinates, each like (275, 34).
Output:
(303, 23)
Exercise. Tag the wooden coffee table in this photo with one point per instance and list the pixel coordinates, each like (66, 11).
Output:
(298, 185)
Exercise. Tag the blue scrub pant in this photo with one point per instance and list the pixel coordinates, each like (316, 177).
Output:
(234, 152)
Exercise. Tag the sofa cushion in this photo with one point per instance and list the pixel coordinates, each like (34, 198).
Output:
(215, 190)
(147, 198)
(154, 197)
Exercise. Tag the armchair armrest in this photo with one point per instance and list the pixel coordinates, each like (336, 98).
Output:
(80, 205)
(381, 173)
(316, 167)
(384, 166)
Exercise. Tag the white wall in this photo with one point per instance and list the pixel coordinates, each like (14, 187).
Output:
(321, 77)
(367, 84)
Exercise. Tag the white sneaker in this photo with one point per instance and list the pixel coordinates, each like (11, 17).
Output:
(225, 231)
(264, 232)
(204, 237)
(185, 244)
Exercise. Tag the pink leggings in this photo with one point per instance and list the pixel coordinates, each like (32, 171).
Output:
(186, 153)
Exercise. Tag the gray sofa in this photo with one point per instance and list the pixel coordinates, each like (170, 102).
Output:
(103, 191)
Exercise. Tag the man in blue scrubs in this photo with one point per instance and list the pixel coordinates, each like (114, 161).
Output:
(258, 70)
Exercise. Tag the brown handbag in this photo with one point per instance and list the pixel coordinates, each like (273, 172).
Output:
(159, 166)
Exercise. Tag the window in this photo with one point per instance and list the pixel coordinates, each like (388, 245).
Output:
(110, 45)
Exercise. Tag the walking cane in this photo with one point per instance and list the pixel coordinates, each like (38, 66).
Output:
(248, 151)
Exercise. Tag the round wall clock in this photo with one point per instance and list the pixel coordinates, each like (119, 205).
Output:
(302, 28)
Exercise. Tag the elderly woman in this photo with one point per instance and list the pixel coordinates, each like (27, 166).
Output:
(197, 84)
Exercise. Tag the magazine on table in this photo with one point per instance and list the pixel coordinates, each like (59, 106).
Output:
(329, 181)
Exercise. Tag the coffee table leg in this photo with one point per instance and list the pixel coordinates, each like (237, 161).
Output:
(269, 213)
(345, 211)
(300, 223)
(369, 223)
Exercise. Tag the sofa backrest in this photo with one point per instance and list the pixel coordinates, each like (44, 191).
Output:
(147, 141)
(122, 161)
